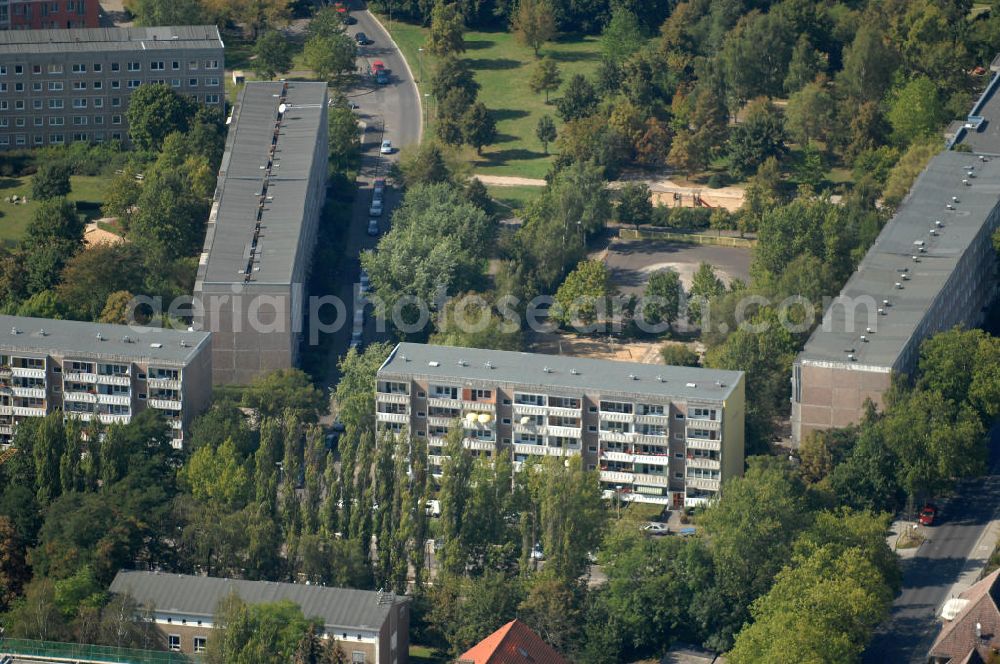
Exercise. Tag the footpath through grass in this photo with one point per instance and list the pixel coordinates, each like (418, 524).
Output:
(503, 69)
(87, 193)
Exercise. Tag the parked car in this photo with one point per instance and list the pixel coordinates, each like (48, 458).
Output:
(376, 209)
(386, 147)
(359, 317)
(362, 39)
(433, 508)
(376, 196)
(378, 186)
(928, 513)
(656, 529)
(537, 553)
(373, 227)
(356, 339)
(363, 282)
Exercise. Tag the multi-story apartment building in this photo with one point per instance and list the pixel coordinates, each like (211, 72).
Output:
(658, 434)
(95, 371)
(250, 288)
(58, 86)
(931, 268)
(55, 14)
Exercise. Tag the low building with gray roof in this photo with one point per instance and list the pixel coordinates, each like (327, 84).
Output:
(250, 289)
(60, 86)
(369, 626)
(101, 372)
(657, 434)
(931, 268)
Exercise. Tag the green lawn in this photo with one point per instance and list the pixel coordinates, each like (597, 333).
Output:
(503, 68)
(88, 193)
(425, 655)
(510, 200)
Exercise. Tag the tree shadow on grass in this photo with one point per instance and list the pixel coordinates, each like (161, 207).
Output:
(492, 63)
(508, 114)
(504, 138)
(9, 183)
(514, 154)
(478, 44)
(574, 56)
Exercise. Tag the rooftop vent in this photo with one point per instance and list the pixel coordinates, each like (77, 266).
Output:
(633, 377)
(881, 311)
(966, 183)
(15, 331)
(954, 199)
(923, 250)
(489, 365)
(100, 337)
(126, 339)
(156, 344)
(916, 259)
(659, 378)
(864, 339)
(918, 243)
(905, 277)
(949, 206)
(547, 369)
(692, 385)
(852, 358)
(885, 303)
(982, 158)
(899, 285)
(433, 363)
(934, 232)
(970, 174)
(574, 372)
(849, 350)
(404, 358)
(184, 343)
(869, 330)
(462, 363)
(42, 332)
(938, 223)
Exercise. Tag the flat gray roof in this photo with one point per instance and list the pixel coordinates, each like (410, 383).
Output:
(72, 338)
(242, 175)
(689, 383)
(88, 40)
(182, 594)
(883, 265)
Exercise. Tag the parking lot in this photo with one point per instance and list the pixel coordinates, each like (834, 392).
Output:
(632, 261)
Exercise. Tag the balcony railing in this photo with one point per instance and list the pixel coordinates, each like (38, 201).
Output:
(609, 416)
(115, 399)
(616, 436)
(651, 480)
(559, 411)
(529, 409)
(653, 459)
(660, 420)
(399, 418)
(565, 432)
(702, 483)
(617, 477)
(479, 444)
(79, 377)
(386, 397)
(613, 455)
(702, 462)
(651, 439)
(537, 429)
(479, 406)
(442, 402)
(29, 411)
(24, 372)
(124, 379)
(704, 444)
(29, 392)
(85, 397)
(165, 404)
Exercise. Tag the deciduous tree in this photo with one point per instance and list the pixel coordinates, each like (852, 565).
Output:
(534, 23)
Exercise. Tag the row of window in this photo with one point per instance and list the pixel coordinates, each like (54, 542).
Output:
(131, 84)
(98, 68)
(81, 102)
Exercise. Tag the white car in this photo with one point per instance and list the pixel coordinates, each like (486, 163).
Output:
(363, 282)
(657, 529)
(356, 339)
(386, 147)
(376, 209)
(359, 318)
(378, 186)
(537, 553)
(373, 227)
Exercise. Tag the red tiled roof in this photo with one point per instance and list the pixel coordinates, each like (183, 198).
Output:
(514, 643)
(957, 640)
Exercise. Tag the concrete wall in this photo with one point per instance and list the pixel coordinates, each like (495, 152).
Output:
(734, 432)
(834, 396)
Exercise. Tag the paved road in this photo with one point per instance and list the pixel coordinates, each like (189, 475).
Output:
(389, 112)
(928, 577)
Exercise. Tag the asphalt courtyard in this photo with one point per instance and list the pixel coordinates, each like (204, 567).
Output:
(632, 261)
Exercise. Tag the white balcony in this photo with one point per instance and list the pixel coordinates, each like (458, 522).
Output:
(651, 480)
(165, 404)
(109, 418)
(653, 459)
(479, 406)
(28, 373)
(176, 424)
(79, 377)
(124, 379)
(565, 412)
(528, 448)
(617, 417)
(386, 397)
(704, 444)
(32, 392)
(6, 410)
(398, 418)
(566, 432)
(538, 429)
(6, 430)
(624, 457)
(159, 383)
(702, 462)
(436, 459)
(616, 477)
(704, 424)
(479, 444)
(616, 436)
(657, 420)
(436, 441)
(441, 402)
(24, 411)
(74, 415)
(529, 409)
(649, 439)
(702, 484)
(437, 421)
(115, 399)
(84, 397)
